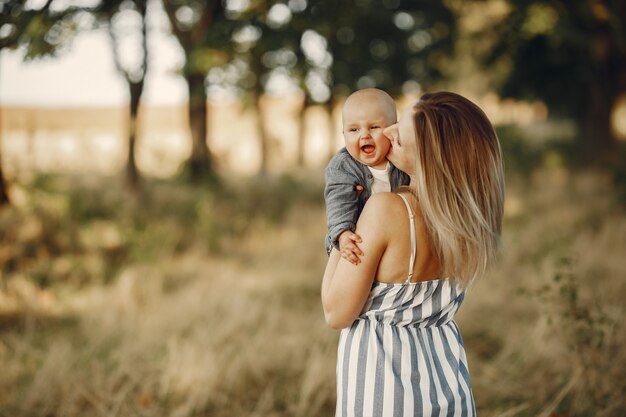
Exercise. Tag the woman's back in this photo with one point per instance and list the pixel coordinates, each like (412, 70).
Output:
(394, 263)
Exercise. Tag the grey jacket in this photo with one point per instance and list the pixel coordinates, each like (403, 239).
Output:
(343, 205)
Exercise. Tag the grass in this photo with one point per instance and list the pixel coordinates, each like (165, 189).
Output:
(552, 306)
(198, 301)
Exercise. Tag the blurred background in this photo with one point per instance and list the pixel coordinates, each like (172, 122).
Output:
(161, 208)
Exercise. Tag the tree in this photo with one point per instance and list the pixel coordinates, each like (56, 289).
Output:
(41, 32)
(4, 194)
(126, 21)
(266, 42)
(373, 43)
(330, 48)
(571, 55)
(203, 33)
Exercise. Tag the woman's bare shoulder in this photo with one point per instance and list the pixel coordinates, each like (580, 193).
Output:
(383, 204)
(385, 200)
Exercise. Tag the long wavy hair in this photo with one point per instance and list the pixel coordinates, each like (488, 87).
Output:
(459, 183)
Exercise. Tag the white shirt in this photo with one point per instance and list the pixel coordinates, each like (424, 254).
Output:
(381, 179)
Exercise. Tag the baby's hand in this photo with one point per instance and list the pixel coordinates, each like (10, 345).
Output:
(348, 246)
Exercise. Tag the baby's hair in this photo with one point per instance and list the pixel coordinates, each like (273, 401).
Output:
(459, 183)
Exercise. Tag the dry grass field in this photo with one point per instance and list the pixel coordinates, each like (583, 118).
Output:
(189, 301)
(203, 300)
(58, 139)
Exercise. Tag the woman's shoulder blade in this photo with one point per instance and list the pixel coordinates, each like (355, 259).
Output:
(382, 205)
(385, 200)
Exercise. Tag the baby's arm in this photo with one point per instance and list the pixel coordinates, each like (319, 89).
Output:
(341, 194)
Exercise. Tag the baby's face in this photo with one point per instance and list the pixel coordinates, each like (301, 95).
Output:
(363, 124)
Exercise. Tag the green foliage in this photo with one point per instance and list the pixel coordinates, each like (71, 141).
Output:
(41, 31)
(31, 242)
(383, 43)
(83, 233)
(571, 55)
(618, 172)
(202, 31)
(555, 41)
(583, 327)
(340, 46)
(271, 198)
(520, 156)
(526, 152)
(530, 148)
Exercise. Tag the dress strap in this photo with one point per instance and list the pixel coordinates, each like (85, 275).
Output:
(413, 244)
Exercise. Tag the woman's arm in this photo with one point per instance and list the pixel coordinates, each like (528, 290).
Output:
(345, 286)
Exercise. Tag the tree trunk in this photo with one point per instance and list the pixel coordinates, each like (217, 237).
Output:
(598, 139)
(4, 193)
(606, 78)
(303, 128)
(256, 67)
(133, 178)
(262, 132)
(200, 164)
(329, 105)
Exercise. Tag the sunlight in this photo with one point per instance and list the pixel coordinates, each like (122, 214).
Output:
(618, 118)
(279, 15)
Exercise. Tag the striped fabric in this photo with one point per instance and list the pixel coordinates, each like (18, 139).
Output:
(404, 355)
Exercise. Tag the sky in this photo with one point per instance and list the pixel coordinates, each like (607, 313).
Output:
(86, 76)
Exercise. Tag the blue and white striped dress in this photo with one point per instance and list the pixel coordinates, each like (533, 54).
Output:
(404, 355)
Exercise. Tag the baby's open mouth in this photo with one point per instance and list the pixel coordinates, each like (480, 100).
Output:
(368, 148)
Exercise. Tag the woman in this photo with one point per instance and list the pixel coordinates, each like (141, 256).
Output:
(400, 351)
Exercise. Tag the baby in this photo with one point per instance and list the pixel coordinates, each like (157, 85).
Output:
(360, 169)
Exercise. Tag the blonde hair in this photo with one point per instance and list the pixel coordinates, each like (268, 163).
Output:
(459, 183)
